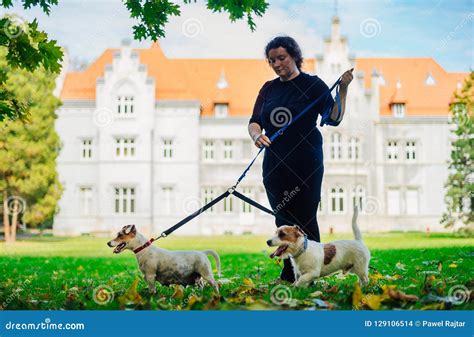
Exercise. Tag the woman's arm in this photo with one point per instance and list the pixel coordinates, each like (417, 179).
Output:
(259, 139)
(345, 81)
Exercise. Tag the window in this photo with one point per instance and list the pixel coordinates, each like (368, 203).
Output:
(85, 200)
(125, 147)
(86, 149)
(221, 110)
(246, 208)
(228, 204)
(392, 150)
(125, 106)
(398, 110)
(354, 149)
(430, 80)
(124, 200)
(208, 194)
(167, 148)
(228, 150)
(410, 150)
(167, 193)
(358, 198)
(335, 146)
(412, 201)
(208, 150)
(393, 201)
(336, 198)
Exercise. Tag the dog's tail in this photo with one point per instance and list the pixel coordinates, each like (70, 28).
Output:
(216, 257)
(355, 228)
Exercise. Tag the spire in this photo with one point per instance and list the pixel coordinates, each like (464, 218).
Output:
(335, 26)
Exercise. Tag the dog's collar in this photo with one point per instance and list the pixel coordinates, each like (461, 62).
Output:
(142, 247)
(305, 245)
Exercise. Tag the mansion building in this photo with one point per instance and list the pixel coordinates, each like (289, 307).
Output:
(147, 140)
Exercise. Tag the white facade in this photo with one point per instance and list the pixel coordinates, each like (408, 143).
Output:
(130, 158)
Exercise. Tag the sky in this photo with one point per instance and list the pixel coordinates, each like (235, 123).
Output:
(441, 29)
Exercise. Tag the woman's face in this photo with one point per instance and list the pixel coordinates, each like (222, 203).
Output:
(281, 62)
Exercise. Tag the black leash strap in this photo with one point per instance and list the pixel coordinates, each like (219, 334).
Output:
(261, 207)
(195, 214)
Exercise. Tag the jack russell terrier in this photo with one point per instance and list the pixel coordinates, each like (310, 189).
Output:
(166, 267)
(311, 259)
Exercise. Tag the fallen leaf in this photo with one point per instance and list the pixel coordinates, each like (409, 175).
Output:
(453, 265)
(440, 266)
(178, 292)
(332, 290)
(400, 266)
(248, 282)
(316, 294)
(434, 306)
(356, 296)
(399, 295)
(131, 296)
(375, 277)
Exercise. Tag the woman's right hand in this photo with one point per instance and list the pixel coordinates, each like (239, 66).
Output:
(262, 139)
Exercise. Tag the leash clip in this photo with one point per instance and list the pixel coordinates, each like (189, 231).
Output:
(231, 190)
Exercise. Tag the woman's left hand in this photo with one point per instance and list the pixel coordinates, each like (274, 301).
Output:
(346, 78)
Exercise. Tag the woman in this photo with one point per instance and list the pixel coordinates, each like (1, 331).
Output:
(293, 164)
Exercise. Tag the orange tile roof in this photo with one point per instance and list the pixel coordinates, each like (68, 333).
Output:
(420, 99)
(180, 79)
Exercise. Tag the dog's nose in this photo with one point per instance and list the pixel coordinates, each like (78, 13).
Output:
(269, 243)
(109, 244)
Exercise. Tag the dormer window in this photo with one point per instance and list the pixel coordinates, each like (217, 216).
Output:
(125, 106)
(398, 110)
(221, 110)
(430, 80)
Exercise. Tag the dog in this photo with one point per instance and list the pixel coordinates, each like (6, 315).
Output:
(311, 259)
(166, 267)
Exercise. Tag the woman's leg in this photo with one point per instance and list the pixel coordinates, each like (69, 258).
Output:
(276, 195)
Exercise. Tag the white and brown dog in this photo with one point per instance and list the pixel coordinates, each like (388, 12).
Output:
(312, 259)
(167, 267)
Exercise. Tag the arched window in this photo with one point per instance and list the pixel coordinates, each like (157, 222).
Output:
(335, 146)
(354, 149)
(337, 200)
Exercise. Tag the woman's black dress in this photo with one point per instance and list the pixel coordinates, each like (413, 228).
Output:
(293, 165)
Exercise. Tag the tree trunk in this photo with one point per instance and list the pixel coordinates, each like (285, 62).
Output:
(6, 217)
(14, 220)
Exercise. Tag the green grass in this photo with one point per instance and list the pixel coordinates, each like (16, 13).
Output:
(62, 273)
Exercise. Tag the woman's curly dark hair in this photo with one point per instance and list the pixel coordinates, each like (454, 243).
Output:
(290, 45)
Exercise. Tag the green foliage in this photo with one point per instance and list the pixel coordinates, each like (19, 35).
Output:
(153, 14)
(29, 150)
(459, 196)
(26, 48)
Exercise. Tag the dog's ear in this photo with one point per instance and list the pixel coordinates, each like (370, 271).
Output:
(133, 229)
(127, 229)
